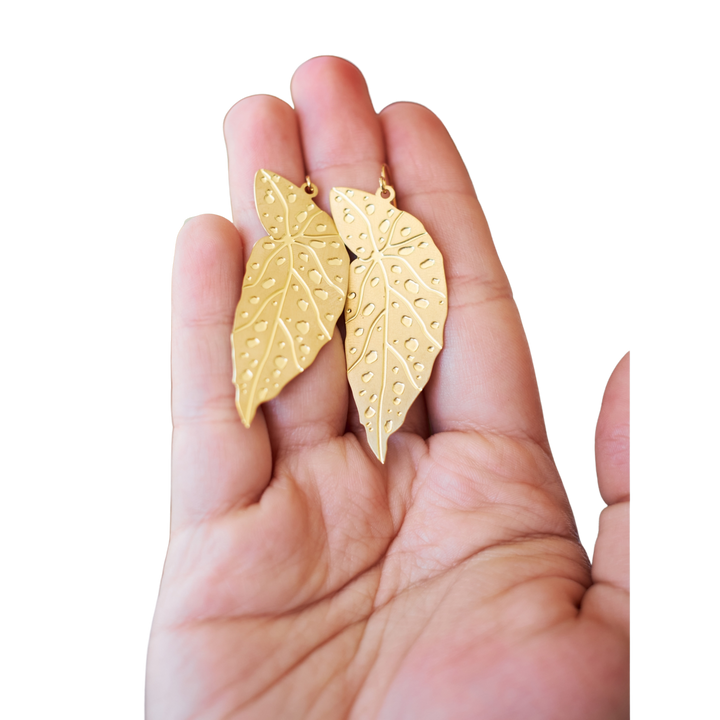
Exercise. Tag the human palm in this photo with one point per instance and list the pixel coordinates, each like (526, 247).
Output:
(304, 579)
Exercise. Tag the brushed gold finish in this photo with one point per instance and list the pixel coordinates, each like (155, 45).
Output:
(395, 310)
(293, 292)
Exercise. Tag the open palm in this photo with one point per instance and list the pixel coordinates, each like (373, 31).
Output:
(306, 580)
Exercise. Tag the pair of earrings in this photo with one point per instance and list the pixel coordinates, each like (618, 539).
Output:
(299, 281)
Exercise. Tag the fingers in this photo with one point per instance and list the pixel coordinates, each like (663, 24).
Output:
(342, 139)
(343, 145)
(262, 132)
(483, 379)
(612, 449)
(217, 463)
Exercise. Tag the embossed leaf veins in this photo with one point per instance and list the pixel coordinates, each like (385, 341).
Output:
(395, 312)
(292, 295)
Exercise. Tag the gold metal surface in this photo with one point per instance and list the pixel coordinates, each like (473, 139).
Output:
(396, 307)
(293, 292)
(384, 182)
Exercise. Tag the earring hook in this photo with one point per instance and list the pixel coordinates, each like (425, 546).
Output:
(309, 188)
(386, 190)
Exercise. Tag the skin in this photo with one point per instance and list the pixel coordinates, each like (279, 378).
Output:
(306, 580)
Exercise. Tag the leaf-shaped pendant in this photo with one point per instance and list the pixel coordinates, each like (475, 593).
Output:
(292, 295)
(395, 311)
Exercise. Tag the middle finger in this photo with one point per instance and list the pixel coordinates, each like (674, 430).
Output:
(343, 144)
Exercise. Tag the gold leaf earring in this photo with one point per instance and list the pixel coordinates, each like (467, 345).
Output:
(396, 307)
(292, 295)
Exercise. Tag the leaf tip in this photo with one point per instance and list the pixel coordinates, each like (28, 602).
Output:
(238, 404)
(246, 420)
(383, 449)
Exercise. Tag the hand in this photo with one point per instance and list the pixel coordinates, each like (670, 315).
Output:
(306, 580)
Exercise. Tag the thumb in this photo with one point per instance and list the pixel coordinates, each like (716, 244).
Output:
(608, 596)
